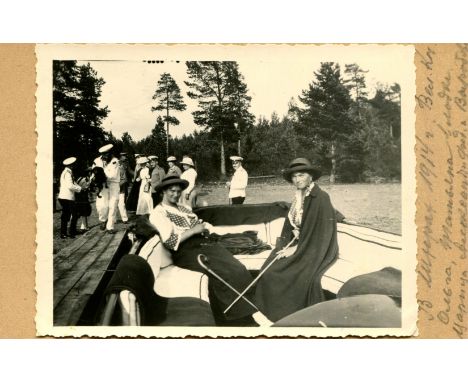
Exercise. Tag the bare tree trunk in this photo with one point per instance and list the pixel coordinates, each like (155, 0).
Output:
(167, 125)
(333, 163)
(223, 162)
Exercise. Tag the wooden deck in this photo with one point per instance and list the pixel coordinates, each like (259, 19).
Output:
(78, 270)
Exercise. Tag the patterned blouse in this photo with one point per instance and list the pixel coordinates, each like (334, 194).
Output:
(297, 208)
(171, 222)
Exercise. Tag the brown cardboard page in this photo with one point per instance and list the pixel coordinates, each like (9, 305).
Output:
(442, 181)
(18, 180)
(442, 175)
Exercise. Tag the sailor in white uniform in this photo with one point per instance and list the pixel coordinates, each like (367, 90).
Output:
(239, 181)
(107, 204)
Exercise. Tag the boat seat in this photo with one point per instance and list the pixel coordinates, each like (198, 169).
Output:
(362, 250)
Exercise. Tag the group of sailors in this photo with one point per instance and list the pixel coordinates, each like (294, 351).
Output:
(119, 188)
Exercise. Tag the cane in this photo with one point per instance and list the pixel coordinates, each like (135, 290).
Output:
(201, 259)
(241, 295)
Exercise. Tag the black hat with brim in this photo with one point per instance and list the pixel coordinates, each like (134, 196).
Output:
(301, 165)
(171, 180)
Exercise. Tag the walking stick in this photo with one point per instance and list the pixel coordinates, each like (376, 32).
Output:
(241, 295)
(202, 259)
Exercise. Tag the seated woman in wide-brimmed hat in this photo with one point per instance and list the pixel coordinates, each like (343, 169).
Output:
(185, 235)
(309, 247)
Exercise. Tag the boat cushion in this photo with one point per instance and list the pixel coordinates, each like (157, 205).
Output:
(186, 311)
(365, 311)
(387, 281)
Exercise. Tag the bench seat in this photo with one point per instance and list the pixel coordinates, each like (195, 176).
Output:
(362, 250)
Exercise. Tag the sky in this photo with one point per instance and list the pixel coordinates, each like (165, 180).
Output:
(271, 83)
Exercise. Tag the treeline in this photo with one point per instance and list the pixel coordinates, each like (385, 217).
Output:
(334, 122)
(352, 137)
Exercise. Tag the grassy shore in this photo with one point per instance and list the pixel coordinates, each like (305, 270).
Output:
(374, 205)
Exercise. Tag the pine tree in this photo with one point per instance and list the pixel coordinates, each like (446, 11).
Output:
(77, 114)
(169, 99)
(356, 84)
(219, 88)
(325, 119)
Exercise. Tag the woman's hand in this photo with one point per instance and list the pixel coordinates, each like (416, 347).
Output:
(287, 252)
(199, 228)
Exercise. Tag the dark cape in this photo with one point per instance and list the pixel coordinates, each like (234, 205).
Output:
(132, 198)
(294, 283)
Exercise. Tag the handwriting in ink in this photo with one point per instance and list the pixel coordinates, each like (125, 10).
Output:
(426, 166)
(461, 60)
(425, 99)
(444, 314)
(459, 324)
(446, 239)
(424, 268)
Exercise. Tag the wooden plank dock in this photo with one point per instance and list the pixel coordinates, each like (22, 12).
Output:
(78, 271)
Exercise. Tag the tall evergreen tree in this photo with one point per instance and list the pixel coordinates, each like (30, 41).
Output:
(155, 143)
(325, 119)
(169, 99)
(221, 92)
(77, 114)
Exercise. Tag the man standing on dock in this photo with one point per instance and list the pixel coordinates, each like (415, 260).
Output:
(173, 168)
(157, 174)
(107, 203)
(239, 181)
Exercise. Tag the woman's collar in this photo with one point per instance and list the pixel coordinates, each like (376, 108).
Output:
(309, 189)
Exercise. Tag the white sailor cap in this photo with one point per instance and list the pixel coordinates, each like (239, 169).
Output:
(69, 161)
(142, 160)
(151, 157)
(188, 161)
(106, 148)
(172, 159)
(236, 158)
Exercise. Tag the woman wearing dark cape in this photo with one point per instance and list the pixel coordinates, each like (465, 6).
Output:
(132, 199)
(293, 282)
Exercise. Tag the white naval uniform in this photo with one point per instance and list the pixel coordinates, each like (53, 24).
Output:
(107, 204)
(239, 182)
(190, 176)
(67, 186)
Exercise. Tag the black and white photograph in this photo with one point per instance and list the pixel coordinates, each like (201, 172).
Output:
(226, 190)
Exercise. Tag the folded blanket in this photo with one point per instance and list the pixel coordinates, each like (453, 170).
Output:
(246, 242)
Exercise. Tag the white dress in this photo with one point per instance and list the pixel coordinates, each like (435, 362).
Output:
(190, 176)
(145, 201)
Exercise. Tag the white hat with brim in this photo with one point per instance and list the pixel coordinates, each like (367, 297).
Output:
(142, 160)
(236, 158)
(69, 161)
(172, 159)
(151, 157)
(106, 148)
(188, 161)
